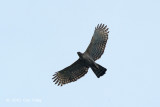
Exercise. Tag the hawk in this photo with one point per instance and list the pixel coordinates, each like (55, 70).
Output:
(86, 60)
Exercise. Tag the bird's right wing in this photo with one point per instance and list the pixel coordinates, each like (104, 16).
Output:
(70, 73)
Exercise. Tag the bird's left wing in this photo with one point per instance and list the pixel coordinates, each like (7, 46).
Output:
(70, 73)
(98, 42)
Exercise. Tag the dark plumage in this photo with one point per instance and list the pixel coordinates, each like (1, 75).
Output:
(86, 60)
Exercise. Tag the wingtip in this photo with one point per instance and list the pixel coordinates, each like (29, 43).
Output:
(101, 26)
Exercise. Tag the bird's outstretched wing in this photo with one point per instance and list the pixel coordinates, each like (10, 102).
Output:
(70, 73)
(98, 42)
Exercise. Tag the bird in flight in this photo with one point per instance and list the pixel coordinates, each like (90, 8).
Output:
(86, 60)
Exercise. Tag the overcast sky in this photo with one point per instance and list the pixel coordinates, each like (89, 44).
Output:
(41, 37)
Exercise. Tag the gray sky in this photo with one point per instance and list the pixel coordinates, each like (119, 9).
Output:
(41, 37)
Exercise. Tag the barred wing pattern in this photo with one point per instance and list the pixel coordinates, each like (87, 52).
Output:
(98, 42)
(70, 73)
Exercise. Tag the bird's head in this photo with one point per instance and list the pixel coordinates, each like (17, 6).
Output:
(79, 54)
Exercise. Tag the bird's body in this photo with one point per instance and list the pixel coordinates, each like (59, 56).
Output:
(86, 60)
(89, 62)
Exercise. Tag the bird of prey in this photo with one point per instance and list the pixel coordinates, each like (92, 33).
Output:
(86, 60)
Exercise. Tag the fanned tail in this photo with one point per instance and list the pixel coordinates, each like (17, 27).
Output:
(100, 71)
